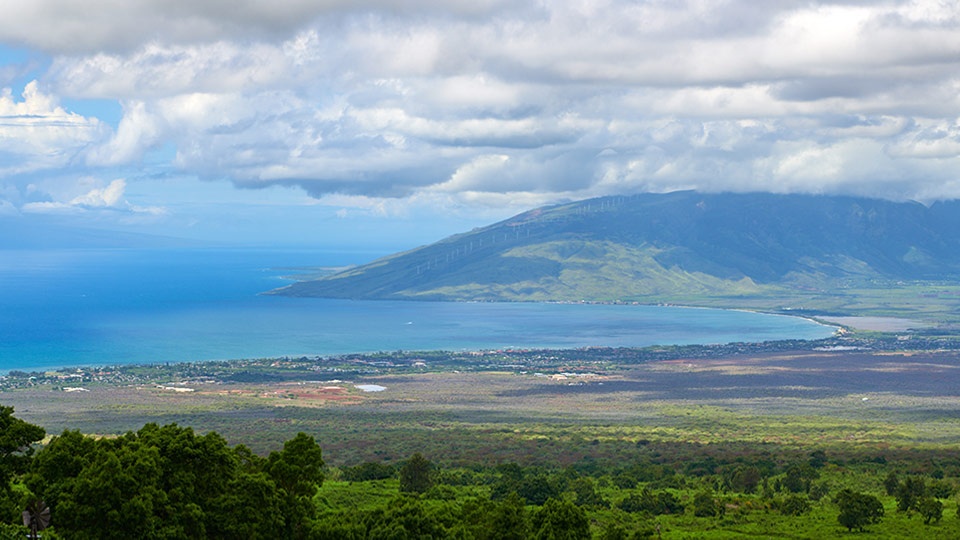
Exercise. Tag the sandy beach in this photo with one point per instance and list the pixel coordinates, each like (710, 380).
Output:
(877, 324)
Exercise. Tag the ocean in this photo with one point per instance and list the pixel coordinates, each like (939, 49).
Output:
(63, 308)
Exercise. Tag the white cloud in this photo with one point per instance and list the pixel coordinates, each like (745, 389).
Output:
(36, 133)
(501, 101)
(474, 176)
(109, 196)
(928, 140)
(94, 196)
(138, 131)
(49, 207)
(160, 70)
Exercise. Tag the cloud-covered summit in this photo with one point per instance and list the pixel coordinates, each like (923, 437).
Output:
(489, 102)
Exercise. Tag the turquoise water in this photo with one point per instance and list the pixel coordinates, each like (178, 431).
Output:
(102, 307)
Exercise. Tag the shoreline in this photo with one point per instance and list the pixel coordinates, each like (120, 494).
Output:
(836, 330)
(879, 324)
(389, 361)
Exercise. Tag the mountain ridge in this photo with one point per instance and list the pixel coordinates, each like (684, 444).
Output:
(667, 248)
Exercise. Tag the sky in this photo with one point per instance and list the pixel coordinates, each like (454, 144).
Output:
(396, 123)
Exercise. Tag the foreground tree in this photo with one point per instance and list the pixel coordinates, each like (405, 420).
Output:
(415, 475)
(798, 477)
(857, 510)
(54, 469)
(560, 520)
(909, 492)
(705, 505)
(298, 468)
(743, 479)
(794, 505)
(404, 518)
(891, 483)
(16, 438)
(508, 520)
(297, 471)
(168, 482)
(931, 509)
(250, 508)
(587, 494)
(485, 519)
(662, 502)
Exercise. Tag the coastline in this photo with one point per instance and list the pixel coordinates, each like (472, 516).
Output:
(339, 327)
(878, 324)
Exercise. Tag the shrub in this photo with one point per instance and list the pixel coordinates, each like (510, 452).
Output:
(794, 505)
(704, 505)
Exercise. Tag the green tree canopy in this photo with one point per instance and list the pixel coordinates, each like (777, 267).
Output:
(297, 471)
(587, 494)
(405, 519)
(16, 438)
(560, 520)
(857, 510)
(168, 482)
(705, 505)
(298, 468)
(743, 479)
(415, 475)
(508, 521)
(909, 492)
(931, 509)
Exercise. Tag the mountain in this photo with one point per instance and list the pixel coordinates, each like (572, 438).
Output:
(673, 247)
(19, 232)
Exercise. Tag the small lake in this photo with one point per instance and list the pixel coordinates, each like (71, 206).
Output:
(104, 307)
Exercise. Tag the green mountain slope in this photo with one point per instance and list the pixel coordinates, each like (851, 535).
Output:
(675, 247)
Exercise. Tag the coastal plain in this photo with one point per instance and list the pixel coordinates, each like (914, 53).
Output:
(529, 407)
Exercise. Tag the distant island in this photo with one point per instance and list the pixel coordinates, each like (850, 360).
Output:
(803, 254)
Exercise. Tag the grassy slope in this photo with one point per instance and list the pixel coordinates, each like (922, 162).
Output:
(576, 270)
(587, 270)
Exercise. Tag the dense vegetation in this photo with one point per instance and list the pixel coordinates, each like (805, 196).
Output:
(169, 482)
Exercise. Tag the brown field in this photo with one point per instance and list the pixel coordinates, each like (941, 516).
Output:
(803, 398)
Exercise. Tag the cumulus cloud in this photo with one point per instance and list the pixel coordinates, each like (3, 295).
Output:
(96, 196)
(492, 102)
(36, 133)
(108, 196)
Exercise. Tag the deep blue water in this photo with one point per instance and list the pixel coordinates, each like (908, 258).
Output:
(101, 307)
